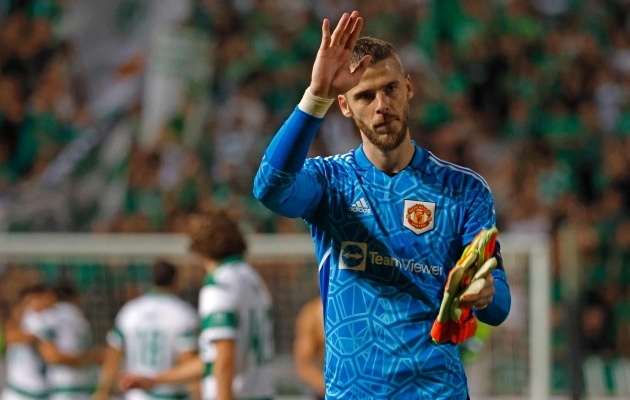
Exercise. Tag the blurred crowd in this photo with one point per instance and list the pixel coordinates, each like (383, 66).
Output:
(532, 94)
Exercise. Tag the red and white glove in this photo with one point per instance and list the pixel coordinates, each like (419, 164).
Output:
(454, 323)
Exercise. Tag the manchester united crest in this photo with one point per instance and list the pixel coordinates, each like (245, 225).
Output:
(419, 216)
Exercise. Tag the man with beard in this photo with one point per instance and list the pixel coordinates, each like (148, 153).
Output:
(389, 221)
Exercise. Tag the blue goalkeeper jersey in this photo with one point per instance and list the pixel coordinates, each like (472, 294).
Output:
(385, 245)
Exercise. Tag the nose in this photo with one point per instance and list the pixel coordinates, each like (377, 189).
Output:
(382, 103)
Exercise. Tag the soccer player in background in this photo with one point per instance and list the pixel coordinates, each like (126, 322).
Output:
(308, 346)
(64, 342)
(25, 368)
(236, 340)
(389, 221)
(151, 333)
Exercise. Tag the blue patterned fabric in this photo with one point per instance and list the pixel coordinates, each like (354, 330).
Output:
(385, 246)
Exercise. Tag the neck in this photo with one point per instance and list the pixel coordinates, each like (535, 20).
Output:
(392, 161)
(163, 289)
(210, 265)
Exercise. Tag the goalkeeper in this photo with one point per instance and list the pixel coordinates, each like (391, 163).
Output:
(389, 221)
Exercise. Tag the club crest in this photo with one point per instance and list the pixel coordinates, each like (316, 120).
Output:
(419, 216)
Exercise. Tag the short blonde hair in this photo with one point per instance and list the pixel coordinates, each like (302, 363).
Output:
(380, 50)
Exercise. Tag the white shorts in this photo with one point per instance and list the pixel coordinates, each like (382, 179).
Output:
(10, 394)
(70, 396)
(137, 394)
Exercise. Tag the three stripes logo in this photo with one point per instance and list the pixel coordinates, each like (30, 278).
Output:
(360, 206)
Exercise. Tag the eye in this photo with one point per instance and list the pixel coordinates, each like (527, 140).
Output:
(364, 96)
(390, 88)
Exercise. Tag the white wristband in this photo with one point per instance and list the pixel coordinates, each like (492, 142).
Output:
(314, 105)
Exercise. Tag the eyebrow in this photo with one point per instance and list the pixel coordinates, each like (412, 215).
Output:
(361, 93)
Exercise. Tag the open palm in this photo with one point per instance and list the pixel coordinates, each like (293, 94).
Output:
(332, 74)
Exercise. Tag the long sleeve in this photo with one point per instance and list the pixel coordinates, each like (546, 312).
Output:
(481, 215)
(283, 183)
(498, 310)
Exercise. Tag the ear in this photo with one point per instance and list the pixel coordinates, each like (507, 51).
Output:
(343, 105)
(409, 86)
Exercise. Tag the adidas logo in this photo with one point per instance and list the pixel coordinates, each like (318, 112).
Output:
(360, 206)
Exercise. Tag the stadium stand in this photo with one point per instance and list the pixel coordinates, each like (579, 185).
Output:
(533, 95)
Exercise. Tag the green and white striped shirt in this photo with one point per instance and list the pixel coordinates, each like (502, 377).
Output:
(151, 331)
(234, 303)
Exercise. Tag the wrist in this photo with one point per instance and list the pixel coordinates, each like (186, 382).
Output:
(314, 105)
(319, 92)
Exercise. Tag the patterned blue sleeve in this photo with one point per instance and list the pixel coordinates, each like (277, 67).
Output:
(479, 215)
(288, 149)
(498, 310)
(479, 211)
(283, 184)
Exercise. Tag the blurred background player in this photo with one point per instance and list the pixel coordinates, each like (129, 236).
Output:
(25, 368)
(151, 334)
(236, 340)
(308, 347)
(64, 342)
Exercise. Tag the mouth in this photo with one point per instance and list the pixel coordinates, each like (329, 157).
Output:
(385, 123)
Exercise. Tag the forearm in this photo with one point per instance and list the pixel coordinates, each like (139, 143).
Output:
(224, 368)
(52, 355)
(109, 370)
(289, 148)
(63, 359)
(194, 386)
(223, 371)
(188, 370)
(13, 335)
(499, 308)
(291, 195)
(278, 184)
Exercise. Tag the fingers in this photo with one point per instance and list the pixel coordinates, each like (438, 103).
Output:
(487, 293)
(338, 33)
(354, 35)
(469, 301)
(325, 34)
(363, 64)
(481, 299)
(348, 29)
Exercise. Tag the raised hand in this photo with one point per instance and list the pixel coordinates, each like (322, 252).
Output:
(332, 75)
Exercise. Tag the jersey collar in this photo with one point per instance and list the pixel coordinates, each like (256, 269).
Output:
(233, 259)
(230, 260)
(155, 291)
(418, 161)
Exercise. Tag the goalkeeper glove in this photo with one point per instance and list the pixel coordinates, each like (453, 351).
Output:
(454, 323)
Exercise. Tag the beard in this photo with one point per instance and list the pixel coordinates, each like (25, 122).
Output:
(391, 138)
